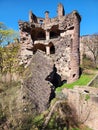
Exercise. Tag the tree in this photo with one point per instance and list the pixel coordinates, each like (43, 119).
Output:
(7, 35)
(91, 42)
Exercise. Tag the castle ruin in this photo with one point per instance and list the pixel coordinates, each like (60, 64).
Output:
(57, 37)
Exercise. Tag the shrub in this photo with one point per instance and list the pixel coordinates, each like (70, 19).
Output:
(2, 115)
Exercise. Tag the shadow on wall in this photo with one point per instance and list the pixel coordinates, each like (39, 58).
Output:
(55, 79)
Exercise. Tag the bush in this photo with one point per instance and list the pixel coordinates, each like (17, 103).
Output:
(2, 116)
(87, 63)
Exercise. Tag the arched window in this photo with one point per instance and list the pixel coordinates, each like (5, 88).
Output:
(54, 32)
(52, 48)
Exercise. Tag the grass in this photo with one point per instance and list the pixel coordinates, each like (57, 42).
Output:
(84, 79)
(87, 97)
(38, 121)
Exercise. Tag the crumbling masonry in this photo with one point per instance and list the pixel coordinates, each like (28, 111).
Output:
(57, 37)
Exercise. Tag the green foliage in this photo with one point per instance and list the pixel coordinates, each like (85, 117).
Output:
(53, 123)
(75, 129)
(8, 58)
(53, 101)
(38, 121)
(2, 115)
(87, 97)
(7, 35)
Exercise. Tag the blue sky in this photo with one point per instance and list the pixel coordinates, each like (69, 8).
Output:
(11, 11)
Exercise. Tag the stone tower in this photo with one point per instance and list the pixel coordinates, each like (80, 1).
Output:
(50, 46)
(47, 20)
(75, 48)
(60, 10)
(57, 37)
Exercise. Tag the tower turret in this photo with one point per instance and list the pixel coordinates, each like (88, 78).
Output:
(60, 10)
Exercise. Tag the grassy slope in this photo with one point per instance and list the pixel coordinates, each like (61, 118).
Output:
(9, 89)
(84, 79)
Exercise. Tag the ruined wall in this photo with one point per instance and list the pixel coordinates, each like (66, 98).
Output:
(85, 101)
(75, 56)
(26, 42)
(69, 41)
(36, 89)
(67, 28)
(58, 38)
(61, 56)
